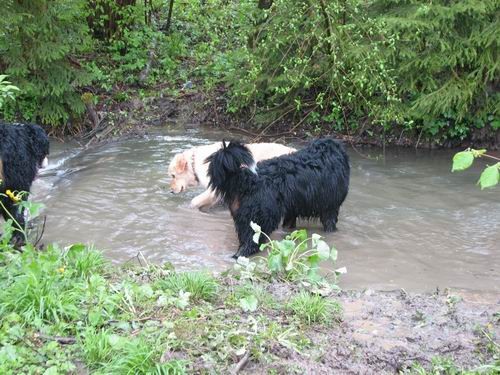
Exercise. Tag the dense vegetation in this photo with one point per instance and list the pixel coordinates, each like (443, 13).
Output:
(382, 67)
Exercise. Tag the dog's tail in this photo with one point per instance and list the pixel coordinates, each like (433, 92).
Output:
(227, 168)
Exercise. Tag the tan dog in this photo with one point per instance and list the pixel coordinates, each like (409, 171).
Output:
(188, 169)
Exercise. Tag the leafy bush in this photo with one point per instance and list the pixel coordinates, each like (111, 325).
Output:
(321, 61)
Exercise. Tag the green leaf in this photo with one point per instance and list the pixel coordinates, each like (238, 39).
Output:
(299, 235)
(249, 303)
(333, 254)
(313, 276)
(313, 260)
(285, 247)
(490, 176)
(32, 207)
(323, 250)
(462, 160)
(275, 262)
(256, 227)
(75, 249)
(94, 317)
(256, 237)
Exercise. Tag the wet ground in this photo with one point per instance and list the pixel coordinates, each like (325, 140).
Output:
(408, 222)
(391, 332)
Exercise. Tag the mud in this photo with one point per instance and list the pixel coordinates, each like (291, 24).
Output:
(387, 332)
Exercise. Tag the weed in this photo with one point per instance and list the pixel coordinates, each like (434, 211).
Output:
(257, 292)
(297, 257)
(200, 285)
(97, 346)
(312, 308)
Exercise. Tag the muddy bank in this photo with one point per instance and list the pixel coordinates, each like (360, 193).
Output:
(389, 332)
(193, 109)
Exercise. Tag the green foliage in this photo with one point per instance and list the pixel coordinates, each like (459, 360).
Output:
(37, 46)
(249, 303)
(6, 90)
(490, 176)
(373, 68)
(297, 257)
(321, 61)
(200, 285)
(446, 62)
(45, 287)
(312, 308)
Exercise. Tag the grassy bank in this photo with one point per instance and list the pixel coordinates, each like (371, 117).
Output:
(67, 310)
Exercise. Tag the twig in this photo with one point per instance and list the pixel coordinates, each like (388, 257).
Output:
(491, 157)
(242, 363)
(40, 235)
(59, 339)
(419, 136)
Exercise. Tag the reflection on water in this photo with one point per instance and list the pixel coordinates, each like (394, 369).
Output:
(407, 222)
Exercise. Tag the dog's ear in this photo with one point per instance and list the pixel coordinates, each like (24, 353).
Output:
(180, 164)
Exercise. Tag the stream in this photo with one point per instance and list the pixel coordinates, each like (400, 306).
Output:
(408, 222)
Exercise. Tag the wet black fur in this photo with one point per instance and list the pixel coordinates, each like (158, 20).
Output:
(23, 147)
(310, 183)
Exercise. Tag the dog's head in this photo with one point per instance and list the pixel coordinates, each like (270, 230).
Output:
(230, 161)
(39, 143)
(181, 171)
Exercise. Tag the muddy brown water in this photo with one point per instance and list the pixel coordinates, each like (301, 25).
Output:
(407, 222)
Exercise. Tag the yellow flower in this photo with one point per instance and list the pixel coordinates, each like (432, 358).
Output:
(11, 195)
(60, 270)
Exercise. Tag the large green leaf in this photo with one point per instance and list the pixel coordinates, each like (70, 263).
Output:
(323, 250)
(249, 303)
(275, 262)
(333, 254)
(490, 176)
(286, 247)
(462, 160)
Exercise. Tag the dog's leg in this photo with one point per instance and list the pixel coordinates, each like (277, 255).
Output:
(265, 213)
(329, 220)
(290, 222)
(205, 200)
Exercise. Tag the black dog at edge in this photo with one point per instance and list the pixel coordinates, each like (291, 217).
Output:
(23, 151)
(310, 183)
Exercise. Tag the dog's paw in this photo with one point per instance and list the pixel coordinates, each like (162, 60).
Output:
(194, 204)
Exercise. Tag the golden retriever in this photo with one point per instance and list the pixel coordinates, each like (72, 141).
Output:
(188, 169)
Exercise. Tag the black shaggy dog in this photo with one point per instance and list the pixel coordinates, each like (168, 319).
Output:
(310, 183)
(23, 151)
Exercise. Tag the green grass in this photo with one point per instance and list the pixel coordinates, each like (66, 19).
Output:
(200, 285)
(312, 308)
